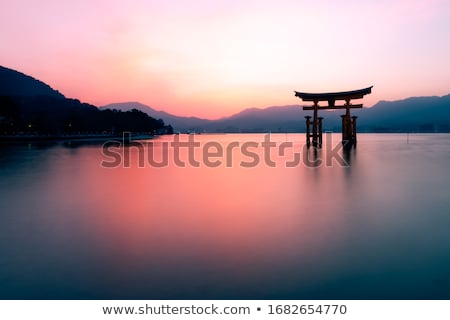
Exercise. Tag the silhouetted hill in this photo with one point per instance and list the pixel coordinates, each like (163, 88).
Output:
(274, 119)
(418, 114)
(14, 83)
(177, 122)
(421, 114)
(248, 120)
(29, 106)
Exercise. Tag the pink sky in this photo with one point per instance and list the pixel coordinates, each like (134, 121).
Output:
(214, 58)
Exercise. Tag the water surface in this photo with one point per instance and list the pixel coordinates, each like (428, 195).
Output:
(378, 228)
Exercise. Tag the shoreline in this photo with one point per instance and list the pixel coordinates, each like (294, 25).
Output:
(61, 138)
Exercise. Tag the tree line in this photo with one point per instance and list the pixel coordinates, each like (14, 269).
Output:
(53, 116)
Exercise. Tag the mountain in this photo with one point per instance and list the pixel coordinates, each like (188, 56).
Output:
(417, 114)
(26, 101)
(249, 120)
(178, 123)
(14, 83)
(31, 107)
(275, 119)
(421, 114)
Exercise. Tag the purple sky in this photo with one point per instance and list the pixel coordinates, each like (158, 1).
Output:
(214, 58)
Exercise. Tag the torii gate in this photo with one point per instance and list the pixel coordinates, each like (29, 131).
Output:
(348, 122)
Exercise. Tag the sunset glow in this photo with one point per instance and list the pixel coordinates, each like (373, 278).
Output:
(214, 58)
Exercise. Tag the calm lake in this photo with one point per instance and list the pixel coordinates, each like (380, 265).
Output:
(372, 223)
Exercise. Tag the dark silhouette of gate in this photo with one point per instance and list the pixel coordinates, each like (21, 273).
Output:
(314, 126)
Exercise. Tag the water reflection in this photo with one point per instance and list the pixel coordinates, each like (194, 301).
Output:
(72, 229)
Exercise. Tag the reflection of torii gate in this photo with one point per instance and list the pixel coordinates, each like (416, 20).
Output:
(348, 122)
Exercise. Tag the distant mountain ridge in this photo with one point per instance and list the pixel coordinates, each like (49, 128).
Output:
(28, 104)
(179, 122)
(416, 114)
(422, 114)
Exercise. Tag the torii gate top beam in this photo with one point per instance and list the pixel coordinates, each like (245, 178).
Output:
(333, 96)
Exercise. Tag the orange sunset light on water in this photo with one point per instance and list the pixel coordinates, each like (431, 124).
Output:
(213, 58)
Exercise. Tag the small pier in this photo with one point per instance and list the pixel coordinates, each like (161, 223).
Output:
(314, 126)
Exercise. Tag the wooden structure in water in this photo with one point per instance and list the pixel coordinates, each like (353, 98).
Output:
(314, 126)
